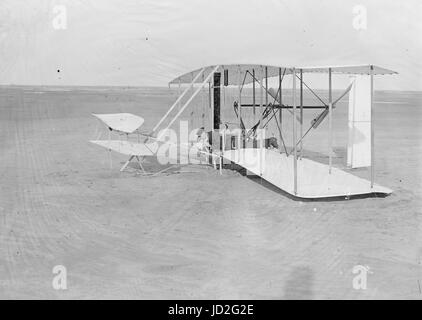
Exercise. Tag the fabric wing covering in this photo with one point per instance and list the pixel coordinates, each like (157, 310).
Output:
(359, 123)
(123, 122)
(260, 70)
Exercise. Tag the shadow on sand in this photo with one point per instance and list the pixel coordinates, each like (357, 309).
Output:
(279, 191)
(299, 284)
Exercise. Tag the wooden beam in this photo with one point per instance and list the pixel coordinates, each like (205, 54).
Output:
(266, 86)
(277, 106)
(301, 112)
(204, 107)
(261, 111)
(208, 78)
(211, 113)
(210, 137)
(294, 133)
(216, 79)
(223, 99)
(280, 112)
(240, 106)
(372, 128)
(216, 100)
(176, 103)
(330, 121)
(253, 93)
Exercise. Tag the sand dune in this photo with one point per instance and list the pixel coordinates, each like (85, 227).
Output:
(193, 234)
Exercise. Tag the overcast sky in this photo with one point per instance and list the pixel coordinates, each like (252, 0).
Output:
(140, 43)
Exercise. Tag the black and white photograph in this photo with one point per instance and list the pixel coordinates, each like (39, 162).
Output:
(237, 150)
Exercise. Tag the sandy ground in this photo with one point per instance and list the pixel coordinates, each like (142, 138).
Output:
(193, 234)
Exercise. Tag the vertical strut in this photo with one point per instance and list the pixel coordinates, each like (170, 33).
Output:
(253, 92)
(372, 128)
(240, 107)
(301, 113)
(294, 133)
(330, 121)
(261, 111)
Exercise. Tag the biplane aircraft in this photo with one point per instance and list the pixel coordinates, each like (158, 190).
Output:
(244, 90)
